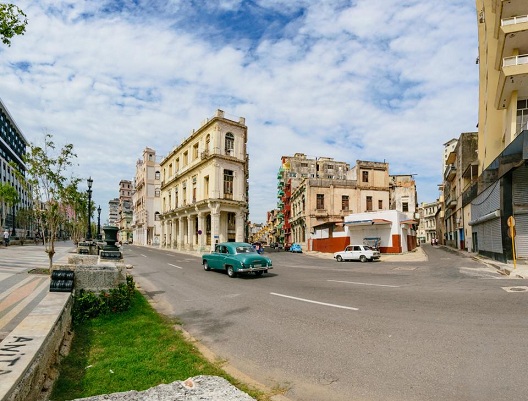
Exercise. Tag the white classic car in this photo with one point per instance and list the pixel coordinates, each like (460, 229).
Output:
(357, 252)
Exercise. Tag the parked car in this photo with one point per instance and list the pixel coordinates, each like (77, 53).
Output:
(296, 248)
(276, 245)
(357, 252)
(235, 258)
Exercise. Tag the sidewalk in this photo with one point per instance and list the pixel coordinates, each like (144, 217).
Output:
(519, 270)
(418, 255)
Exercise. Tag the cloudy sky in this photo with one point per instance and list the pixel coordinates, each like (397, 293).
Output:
(376, 80)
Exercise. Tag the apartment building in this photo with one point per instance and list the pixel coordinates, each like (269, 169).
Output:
(124, 211)
(427, 224)
(146, 200)
(12, 149)
(502, 194)
(460, 188)
(113, 212)
(204, 187)
(293, 171)
(403, 194)
(321, 204)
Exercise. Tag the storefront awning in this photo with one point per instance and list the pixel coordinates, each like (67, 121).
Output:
(408, 222)
(368, 222)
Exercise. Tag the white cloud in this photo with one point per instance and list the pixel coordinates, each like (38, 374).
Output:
(370, 80)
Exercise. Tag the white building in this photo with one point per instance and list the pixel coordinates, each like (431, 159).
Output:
(146, 200)
(204, 187)
(394, 230)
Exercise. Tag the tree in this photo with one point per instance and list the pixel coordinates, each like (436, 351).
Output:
(13, 22)
(9, 198)
(46, 181)
(77, 204)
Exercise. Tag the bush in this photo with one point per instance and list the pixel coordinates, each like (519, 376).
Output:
(87, 304)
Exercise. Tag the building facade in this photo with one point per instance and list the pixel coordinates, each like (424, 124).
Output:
(502, 191)
(321, 204)
(124, 212)
(293, 171)
(12, 150)
(460, 184)
(204, 187)
(146, 200)
(113, 212)
(427, 225)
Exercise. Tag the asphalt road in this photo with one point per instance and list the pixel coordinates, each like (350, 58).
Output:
(444, 329)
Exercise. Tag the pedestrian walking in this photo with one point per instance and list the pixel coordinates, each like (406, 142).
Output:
(6, 237)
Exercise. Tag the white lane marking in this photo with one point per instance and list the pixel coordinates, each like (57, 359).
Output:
(375, 285)
(314, 302)
(143, 255)
(170, 264)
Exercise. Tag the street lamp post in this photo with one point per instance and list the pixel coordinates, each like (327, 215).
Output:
(99, 222)
(89, 233)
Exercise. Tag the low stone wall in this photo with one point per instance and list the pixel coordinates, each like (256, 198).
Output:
(31, 352)
(97, 277)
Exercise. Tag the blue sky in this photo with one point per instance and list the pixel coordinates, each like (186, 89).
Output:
(377, 80)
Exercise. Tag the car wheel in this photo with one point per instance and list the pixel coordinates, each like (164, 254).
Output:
(206, 265)
(231, 272)
(259, 272)
(339, 258)
(363, 258)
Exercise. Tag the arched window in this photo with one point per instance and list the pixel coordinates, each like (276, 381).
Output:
(157, 175)
(229, 144)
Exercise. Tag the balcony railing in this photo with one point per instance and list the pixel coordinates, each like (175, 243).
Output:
(515, 60)
(514, 20)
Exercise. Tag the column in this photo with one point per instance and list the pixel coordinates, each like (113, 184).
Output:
(190, 233)
(162, 239)
(201, 228)
(239, 226)
(181, 233)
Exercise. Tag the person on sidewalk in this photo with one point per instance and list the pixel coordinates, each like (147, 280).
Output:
(6, 237)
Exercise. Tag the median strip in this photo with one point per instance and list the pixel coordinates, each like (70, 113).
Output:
(314, 302)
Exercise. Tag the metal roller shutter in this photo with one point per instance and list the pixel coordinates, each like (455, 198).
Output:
(520, 200)
(521, 239)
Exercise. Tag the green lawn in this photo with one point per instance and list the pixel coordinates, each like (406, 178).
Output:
(133, 350)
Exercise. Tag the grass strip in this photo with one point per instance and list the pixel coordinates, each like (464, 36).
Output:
(133, 350)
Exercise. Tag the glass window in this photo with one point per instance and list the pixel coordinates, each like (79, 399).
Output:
(369, 203)
(344, 202)
(228, 182)
(229, 143)
(320, 201)
(365, 176)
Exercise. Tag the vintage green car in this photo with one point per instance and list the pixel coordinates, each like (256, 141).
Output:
(235, 258)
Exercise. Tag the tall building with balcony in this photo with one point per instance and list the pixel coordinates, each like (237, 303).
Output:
(294, 169)
(12, 149)
(204, 187)
(113, 212)
(427, 225)
(460, 185)
(323, 203)
(502, 129)
(124, 219)
(146, 200)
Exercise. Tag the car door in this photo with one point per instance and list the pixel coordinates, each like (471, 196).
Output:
(217, 257)
(348, 254)
(356, 252)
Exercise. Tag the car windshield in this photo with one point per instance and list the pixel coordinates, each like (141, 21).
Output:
(245, 249)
